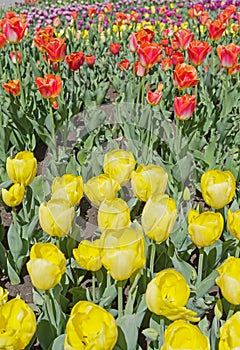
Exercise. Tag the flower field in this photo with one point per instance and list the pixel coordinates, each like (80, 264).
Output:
(119, 175)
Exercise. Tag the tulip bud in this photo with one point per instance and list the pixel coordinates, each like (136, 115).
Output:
(150, 333)
(229, 333)
(14, 196)
(68, 187)
(3, 296)
(88, 255)
(233, 222)
(23, 168)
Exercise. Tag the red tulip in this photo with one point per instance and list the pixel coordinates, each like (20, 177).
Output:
(136, 39)
(10, 14)
(123, 65)
(139, 70)
(228, 55)
(183, 38)
(91, 11)
(184, 76)
(234, 70)
(56, 49)
(166, 63)
(108, 7)
(47, 31)
(184, 106)
(177, 57)
(149, 54)
(13, 57)
(3, 40)
(90, 60)
(154, 98)
(74, 15)
(168, 51)
(216, 29)
(12, 87)
(115, 48)
(14, 29)
(75, 60)
(49, 86)
(198, 9)
(197, 51)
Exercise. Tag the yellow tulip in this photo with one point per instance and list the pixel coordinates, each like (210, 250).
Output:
(123, 252)
(118, 165)
(167, 294)
(55, 217)
(113, 213)
(90, 327)
(159, 216)
(23, 168)
(148, 180)
(88, 255)
(182, 335)
(17, 325)
(218, 188)
(3, 296)
(205, 228)
(229, 280)
(46, 266)
(229, 333)
(101, 187)
(14, 196)
(233, 222)
(68, 187)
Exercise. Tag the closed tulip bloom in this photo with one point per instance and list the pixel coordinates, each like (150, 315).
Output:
(233, 222)
(90, 327)
(12, 87)
(14, 29)
(149, 54)
(205, 228)
(216, 29)
(49, 86)
(55, 217)
(228, 55)
(46, 266)
(18, 325)
(218, 188)
(154, 97)
(14, 196)
(184, 106)
(22, 168)
(148, 180)
(101, 187)
(159, 216)
(177, 58)
(167, 294)
(16, 57)
(181, 335)
(90, 60)
(139, 70)
(184, 76)
(123, 252)
(88, 255)
(115, 48)
(229, 280)
(183, 37)
(123, 65)
(3, 296)
(118, 165)
(230, 333)
(197, 51)
(56, 49)
(69, 187)
(75, 60)
(113, 213)
(3, 40)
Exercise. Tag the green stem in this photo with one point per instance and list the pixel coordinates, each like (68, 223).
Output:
(25, 210)
(51, 320)
(14, 216)
(120, 298)
(143, 89)
(200, 265)
(93, 286)
(53, 139)
(20, 80)
(149, 137)
(152, 258)
(230, 311)
(237, 251)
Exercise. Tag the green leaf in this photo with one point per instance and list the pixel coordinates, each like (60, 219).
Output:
(58, 343)
(46, 334)
(207, 284)
(129, 325)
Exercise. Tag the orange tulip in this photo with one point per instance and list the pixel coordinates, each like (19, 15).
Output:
(3, 40)
(204, 18)
(12, 87)
(139, 70)
(49, 86)
(115, 48)
(183, 38)
(75, 60)
(216, 29)
(143, 35)
(197, 51)
(184, 106)
(177, 57)
(74, 15)
(123, 65)
(14, 29)
(198, 9)
(166, 63)
(10, 14)
(154, 98)
(234, 70)
(184, 76)
(149, 54)
(228, 55)
(56, 49)
(91, 11)
(108, 7)
(90, 60)
(47, 31)
(13, 57)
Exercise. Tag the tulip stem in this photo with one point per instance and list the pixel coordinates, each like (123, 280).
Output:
(14, 216)
(120, 298)
(93, 286)
(152, 258)
(230, 311)
(143, 90)
(237, 251)
(19, 77)
(52, 131)
(200, 265)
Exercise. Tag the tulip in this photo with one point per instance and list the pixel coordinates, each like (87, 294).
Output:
(46, 266)
(113, 213)
(184, 106)
(101, 187)
(167, 294)
(197, 51)
(90, 60)
(136, 39)
(3, 40)
(55, 217)
(149, 54)
(148, 180)
(12, 87)
(88, 255)
(216, 29)
(233, 222)
(16, 56)
(91, 11)
(154, 97)
(159, 216)
(234, 70)
(68, 187)
(3, 296)
(228, 55)
(115, 48)
(184, 76)
(14, 196)
(17, 326)
(183, 335)
(23, 168)
(90, 326)
(56, 22)
(183, 38)
(166, 64)
(177, 57)
(218, 188)
(139, 70)
(56, 49)
(123, 252)
(205, 228)
(229, 280)
(229, 333)
(49, 86)
(123, 65)
(14, 29)
(75, 60)
(118, 165)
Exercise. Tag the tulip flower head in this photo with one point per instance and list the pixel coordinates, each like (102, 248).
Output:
(49, 86)
(115, 48)
(75, 60)
(229, 333)
(184, 76)
(197, 51)
(68, 187)
(183, 38)
(12, 87)
(88, 255)
(149, 54)
(233, 222)
(3, 40)
(154, 97)
(228, 55)
(184, 106)
(16, 57)
(14, 29)
(14, 196)
(138, 69)
(216, 29)
(90, 60)
(22, 168)
(123, 65)
(3, 296)
(56, 49)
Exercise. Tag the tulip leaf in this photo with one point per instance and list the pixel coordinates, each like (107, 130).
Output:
(46, 333)
(58, 343)
(129, 325)
(13, 276)
(207, 284)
